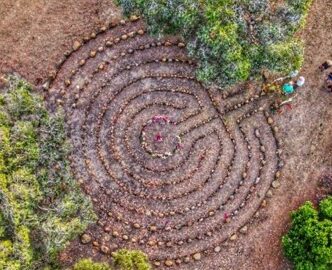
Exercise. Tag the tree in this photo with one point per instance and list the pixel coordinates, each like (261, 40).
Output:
(308, 243)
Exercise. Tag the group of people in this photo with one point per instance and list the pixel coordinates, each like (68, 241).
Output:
(293, 84)
(326, 66)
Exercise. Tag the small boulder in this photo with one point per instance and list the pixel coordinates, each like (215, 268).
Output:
(275, 184)
(244, 229)
(270, 120)
(76, 45)
(217, 249)
(86, 238)
(197, 256)
(169, 263)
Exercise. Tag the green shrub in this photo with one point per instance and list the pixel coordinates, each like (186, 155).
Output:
(41, 206)
(325, 208)
(123, 260)
(230, 47)
(88, 264)
(308, 243)
(131, 260)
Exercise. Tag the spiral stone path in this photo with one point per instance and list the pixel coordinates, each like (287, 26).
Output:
(173, 168)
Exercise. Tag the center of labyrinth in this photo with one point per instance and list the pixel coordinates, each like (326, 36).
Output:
(173, 168)
(158, 137)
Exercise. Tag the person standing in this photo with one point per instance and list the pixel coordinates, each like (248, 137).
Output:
(300, 82)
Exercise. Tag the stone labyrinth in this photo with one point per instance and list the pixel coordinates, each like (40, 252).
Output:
(173, 169)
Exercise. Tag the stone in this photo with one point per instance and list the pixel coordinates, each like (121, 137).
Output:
(76, 45)
(244, 230)
(107, 228)
(169, 263)
(217, 249)
(156, 263)
(197, 256)
(86, 238)
(257, 133)
(187, 259)
(276, 184)
(133, 240)
(181, 45)
(269, 194)
(101, 66)
(133, 18)
(115, 234)
(136, 226)
(95, 243)
(270, 120)
(124, 37)
(93, 53)
(233, 237)
(153, 228)
(178, 261)
(152, 243)
(140, 32)
(104, 249)
(109, 43)
(264, 203)
(67, 82)
(258, 179)
(46, 85)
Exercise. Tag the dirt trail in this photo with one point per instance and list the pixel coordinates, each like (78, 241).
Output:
(34, 34)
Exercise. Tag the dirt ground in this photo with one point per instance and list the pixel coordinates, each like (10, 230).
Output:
(34, 34)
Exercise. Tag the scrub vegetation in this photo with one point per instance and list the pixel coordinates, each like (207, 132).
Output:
(42, 207)
(123, 259)
(233, 40)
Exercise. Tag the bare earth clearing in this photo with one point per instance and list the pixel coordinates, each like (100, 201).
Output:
(191, 168)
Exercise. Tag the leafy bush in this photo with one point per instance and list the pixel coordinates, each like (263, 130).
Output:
(308, 244)
(131, 260)
(232, 39)
(41, 206)
(88, 264)
(123, 259)
(326, 208)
